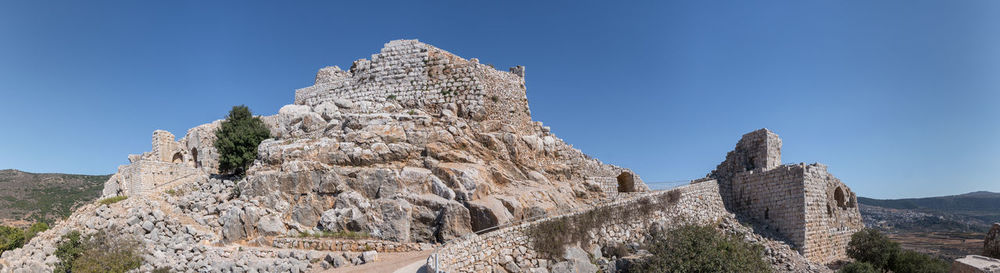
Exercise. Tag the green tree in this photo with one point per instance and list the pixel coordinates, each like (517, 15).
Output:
(908, 261)
(10, 238)
(702, 249)
(97, 253)
(870, 246)
(858, 267)
(237, 140)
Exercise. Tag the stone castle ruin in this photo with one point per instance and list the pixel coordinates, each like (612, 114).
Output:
(812, 209)
(412, 147)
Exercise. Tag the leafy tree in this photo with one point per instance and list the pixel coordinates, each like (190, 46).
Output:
(237, 140)
(858, 267)
(10, 238)
(908, 261)
(871, 246)
(702, 249)
(34, 230)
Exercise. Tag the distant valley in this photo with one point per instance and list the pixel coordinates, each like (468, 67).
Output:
(44, 197)
(947, 226)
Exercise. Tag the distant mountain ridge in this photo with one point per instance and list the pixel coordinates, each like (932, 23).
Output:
(30, 197)
(975, 201)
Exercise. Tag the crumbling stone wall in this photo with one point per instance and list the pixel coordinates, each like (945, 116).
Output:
(991, 245)
(812, 209)
(420, 75)
(169, 162)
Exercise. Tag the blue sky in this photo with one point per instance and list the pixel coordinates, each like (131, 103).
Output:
(899, 98)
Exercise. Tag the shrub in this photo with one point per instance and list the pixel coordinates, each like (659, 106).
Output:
(871, 246)
(908, 261)
(102, 253)
(10, 238)
(68, 250)
(237, 140)
(97, 253)
(112, 200)
(34, 230)
(858, 267)
(693, 248)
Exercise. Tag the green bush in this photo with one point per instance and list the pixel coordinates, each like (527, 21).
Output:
(34, 230)
(858, 267)
(97, 253)
(908, 261)
(871, 246)
(10, 238)
(112, 200)
(237, 140)
(692, 248)
(70, 248)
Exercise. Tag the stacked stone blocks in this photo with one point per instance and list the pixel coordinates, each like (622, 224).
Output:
(813, 210)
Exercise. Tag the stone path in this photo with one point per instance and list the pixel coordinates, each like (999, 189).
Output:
(399, 262)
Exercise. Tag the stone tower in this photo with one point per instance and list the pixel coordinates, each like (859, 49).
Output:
(812, 209)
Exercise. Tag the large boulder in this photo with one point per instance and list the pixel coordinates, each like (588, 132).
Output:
(488, 212)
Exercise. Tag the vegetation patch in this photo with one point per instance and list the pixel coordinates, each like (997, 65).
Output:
(112, 200)
(692, 248)
(10, 238)
(549, 237)
(97, 253)
(869, 247)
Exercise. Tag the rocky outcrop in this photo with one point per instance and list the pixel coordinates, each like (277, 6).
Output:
(415, 145)
(991, 245)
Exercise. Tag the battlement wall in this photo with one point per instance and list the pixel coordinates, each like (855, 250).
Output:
(423, 76)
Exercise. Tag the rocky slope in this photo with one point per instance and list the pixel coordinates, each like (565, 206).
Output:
(450, 150)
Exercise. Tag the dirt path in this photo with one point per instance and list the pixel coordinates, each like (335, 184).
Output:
(408, 262)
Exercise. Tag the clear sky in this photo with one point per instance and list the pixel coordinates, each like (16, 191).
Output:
(898, 98)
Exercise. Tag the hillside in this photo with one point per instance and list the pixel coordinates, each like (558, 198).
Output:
(27, 197)
(976, 209)
(950, 226)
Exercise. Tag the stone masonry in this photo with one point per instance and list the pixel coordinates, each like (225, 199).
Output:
(811, 208)
(169, 162)
(423, 76)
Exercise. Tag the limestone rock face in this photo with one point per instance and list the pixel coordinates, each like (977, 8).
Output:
(415, 145)
(421, 156)
(991, 246)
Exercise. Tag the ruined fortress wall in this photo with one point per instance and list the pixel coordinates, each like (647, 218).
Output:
(420, 75)
(757, 150)
(773, 197)
(699, 204)
(832, 215)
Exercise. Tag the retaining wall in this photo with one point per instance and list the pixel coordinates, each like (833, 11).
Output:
(699, 204)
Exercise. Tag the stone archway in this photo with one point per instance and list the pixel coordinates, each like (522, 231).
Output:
(194, 156)
(178, 158)
(626, 183)
(838, 195)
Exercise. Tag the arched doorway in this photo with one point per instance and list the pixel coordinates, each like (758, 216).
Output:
(194, 156)
(838, 194)
(626, 183)
(178, 158)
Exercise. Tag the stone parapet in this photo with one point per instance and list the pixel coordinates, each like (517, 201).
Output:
(345, 245)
